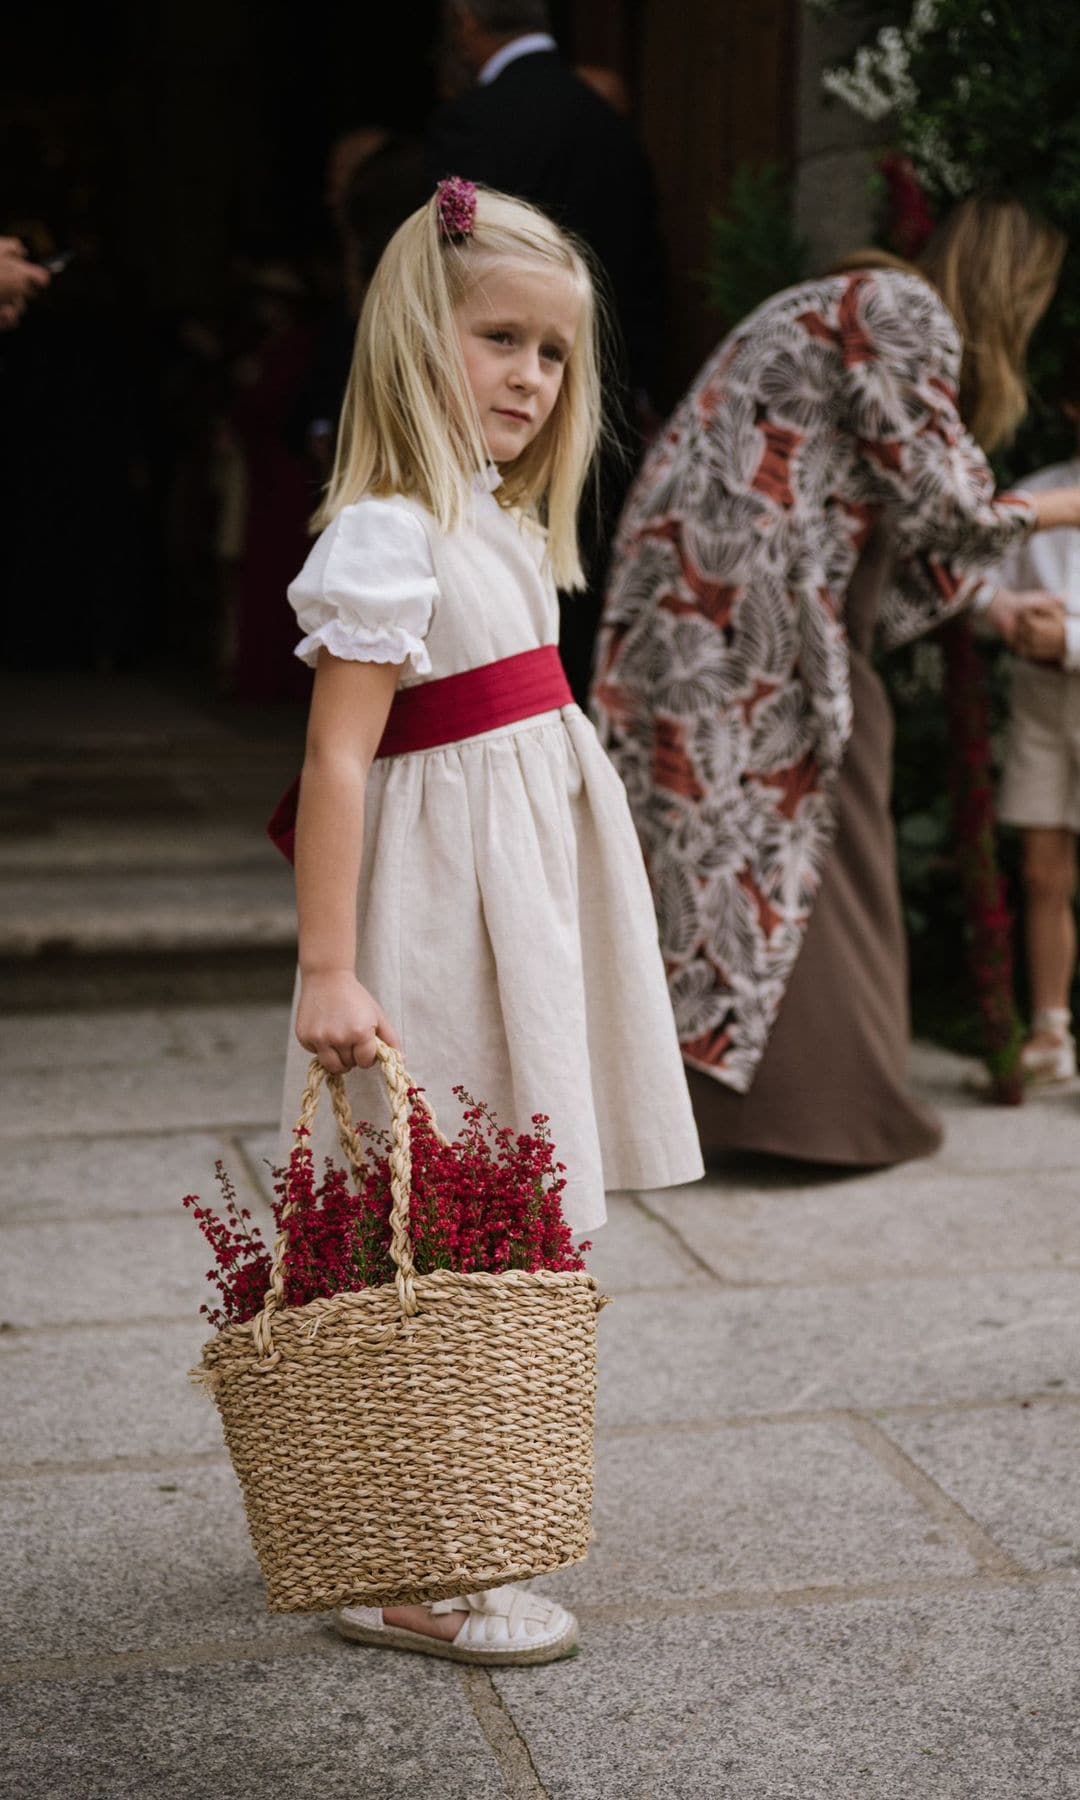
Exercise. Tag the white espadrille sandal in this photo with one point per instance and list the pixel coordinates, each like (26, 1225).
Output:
(1046, 1064)
(505, 1625)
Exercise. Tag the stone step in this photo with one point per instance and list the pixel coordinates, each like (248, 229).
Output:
(113, 911)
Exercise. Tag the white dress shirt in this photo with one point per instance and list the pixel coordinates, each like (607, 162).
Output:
(528, 45)
(1050, 559)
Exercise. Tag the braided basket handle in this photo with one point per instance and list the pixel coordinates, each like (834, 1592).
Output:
(398, 1084)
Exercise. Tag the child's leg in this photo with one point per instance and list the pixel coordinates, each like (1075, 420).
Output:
(1049, 886)
(418, 1618)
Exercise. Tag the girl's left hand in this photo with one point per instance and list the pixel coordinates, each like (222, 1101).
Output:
(1040, 633)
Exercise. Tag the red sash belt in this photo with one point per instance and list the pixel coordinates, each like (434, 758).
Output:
(451, 710)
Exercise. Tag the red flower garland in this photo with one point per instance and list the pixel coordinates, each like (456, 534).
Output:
(911, 219)
(989, 922)
(488, 1201)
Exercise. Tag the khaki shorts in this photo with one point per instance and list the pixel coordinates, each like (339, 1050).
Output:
(1041, 780)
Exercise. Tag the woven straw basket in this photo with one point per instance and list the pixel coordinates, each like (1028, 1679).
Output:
(410, 1442)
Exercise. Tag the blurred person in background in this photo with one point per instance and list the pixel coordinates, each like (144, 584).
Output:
(20, 281)
(529, 125)
(72, 390)
(824, 479)
(277, 491)
(369, 194)
(1040, 792)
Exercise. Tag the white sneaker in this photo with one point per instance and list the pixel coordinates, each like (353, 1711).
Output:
(505, 1625)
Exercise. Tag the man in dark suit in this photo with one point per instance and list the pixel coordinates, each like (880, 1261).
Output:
(530, 126)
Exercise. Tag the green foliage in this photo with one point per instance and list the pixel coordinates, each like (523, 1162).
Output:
(996, 85)
(754, 248)
(934, 913)
(986, 101)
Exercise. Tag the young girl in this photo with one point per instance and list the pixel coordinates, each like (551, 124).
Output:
(1041, 785)
(469, 882)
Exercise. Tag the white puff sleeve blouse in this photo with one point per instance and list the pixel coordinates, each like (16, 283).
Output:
(368, 588)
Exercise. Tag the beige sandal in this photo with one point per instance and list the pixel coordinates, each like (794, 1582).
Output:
(1050, 1064)
(504, 1626)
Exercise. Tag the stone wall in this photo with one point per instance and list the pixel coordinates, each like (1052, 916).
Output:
(834, 147)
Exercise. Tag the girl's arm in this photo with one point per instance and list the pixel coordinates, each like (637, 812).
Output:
(1055, 507)
(337, 1020)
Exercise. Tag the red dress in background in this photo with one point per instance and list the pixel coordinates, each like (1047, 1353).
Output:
(276, 536)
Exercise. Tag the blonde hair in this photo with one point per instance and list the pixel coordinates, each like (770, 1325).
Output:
(996, 266)
(409, 422)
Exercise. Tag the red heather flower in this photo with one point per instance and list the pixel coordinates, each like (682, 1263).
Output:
(488, 1201)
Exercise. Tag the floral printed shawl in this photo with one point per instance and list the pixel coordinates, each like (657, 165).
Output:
(723, 692)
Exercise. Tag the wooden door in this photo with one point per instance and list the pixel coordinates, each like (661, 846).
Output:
(713, 86)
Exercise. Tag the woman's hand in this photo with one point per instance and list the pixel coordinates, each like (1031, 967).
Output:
(20, 280)
(338, 1021)
(1008, 608)
(1040, 632)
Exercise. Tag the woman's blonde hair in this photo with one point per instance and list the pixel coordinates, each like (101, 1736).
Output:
(409, 423)
(996, 266)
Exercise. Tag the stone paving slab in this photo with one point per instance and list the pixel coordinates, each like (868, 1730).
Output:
(633, 1251)
(57, 1042)
(153, 1096)
(351, 1725)
(86, 1395)
(1042, 1134)
(78, 1179)
(758, 1226)
(948, 1697)
(161, 1559)
(980, 1138)
(692, 1354)
(140, 1069)
(1013, 1469)
(689, 1514)
(78, 1271)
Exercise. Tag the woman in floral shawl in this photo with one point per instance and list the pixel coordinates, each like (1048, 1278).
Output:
(818, 481)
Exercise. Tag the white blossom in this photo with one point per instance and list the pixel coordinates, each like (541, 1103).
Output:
(878, 82)
(934, 162)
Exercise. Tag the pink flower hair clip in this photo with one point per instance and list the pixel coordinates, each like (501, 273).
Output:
(455, 200)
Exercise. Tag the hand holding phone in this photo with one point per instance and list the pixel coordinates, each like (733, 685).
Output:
(20, 281)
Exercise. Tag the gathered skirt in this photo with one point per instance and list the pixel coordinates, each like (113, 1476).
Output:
(507, 930)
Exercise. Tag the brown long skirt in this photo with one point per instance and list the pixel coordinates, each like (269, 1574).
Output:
(832, 1084)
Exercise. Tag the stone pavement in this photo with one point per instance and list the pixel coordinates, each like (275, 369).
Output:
(839, 1439)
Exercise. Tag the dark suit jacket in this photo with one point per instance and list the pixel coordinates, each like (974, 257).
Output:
(538, 132)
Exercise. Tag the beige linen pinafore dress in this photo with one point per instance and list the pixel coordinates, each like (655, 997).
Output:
(505, 920)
